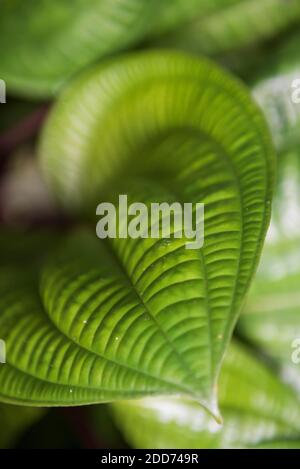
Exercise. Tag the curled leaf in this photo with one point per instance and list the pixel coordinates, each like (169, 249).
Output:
(123, 318)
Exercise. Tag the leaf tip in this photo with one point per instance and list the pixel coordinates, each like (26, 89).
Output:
(212, 407)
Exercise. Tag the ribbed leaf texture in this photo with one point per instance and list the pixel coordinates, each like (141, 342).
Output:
(105, 320)
(256, 406)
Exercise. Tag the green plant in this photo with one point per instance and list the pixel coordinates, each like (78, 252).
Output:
(158, 315)
(144, 324)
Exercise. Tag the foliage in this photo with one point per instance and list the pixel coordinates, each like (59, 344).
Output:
(255, 405)
(145, 324)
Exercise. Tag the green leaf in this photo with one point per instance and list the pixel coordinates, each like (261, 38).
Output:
(15, 420)
(256, 407)
(136, 317)
(43, 44)
(234, 24)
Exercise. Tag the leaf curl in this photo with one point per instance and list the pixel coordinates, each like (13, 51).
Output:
(134, 317)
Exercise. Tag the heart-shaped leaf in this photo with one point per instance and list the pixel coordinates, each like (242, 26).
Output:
(132, 317)
(256, 406)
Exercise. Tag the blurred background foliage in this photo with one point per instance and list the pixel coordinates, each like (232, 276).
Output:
(43, 45)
